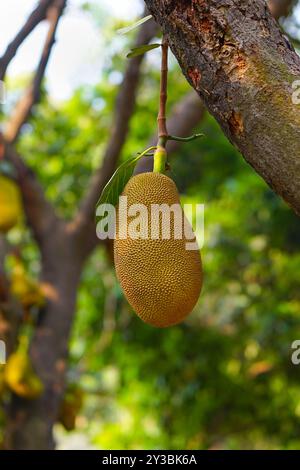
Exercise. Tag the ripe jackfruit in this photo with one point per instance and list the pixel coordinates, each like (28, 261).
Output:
(20, 376)
(161, 279)
(10, 204)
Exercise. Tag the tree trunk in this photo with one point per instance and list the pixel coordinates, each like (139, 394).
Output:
(234, 55)
(30, 423)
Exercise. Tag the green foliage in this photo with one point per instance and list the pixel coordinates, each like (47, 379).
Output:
(134, 25)
(136, 51)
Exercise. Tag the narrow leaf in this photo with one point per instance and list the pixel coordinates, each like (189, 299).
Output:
(135, 51)
(115, 186)
(134, 25)
(118, 181)
(185, 139)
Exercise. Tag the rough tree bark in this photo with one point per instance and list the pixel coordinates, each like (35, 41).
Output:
(236, 58)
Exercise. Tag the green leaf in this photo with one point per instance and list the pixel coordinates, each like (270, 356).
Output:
(118, 181)
(115, 186)
(185, 139)
(135, 51)
(134, 25)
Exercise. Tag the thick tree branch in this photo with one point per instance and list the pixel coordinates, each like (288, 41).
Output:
(34, 19)
(32, 96)
(236, 58)
(190, 111)
(124, 109)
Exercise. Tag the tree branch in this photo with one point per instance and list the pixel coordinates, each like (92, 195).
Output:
(32, 95)
(281, 8)
(190, 111)
(243, 68)
(39, 212)
(124, 109)
(38, 15)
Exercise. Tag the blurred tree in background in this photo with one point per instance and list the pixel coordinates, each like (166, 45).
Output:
(223, 378)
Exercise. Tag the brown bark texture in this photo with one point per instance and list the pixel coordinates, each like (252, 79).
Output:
(235, 56)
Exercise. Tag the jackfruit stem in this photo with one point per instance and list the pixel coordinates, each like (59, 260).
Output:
(161, 118)
(160, 160)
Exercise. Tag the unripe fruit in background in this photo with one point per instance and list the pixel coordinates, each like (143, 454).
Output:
(70, 407)
(161, 279)
(27, 290)
(20, 376)
(10, 204)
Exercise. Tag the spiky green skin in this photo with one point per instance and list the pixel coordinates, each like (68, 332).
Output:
(161, 279)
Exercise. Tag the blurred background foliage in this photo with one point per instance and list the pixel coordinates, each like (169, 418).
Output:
(224, 378)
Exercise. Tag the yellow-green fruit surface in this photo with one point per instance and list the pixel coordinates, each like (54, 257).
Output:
(10, 204)
(161, 279)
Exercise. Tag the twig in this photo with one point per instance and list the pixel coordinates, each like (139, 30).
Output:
(184, 117)
(33, 93)
(184, 139)
(38, 15)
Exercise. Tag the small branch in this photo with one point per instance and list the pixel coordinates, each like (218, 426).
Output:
(185, 139)
(161, 119)
(32, 95)
(185, 116)
(281, 8)
(124, 108)
(38, 15)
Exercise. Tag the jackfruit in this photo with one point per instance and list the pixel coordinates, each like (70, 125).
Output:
(20, 376)
(161, 279)
(10, 204)
(70, 407)
(27, 290)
